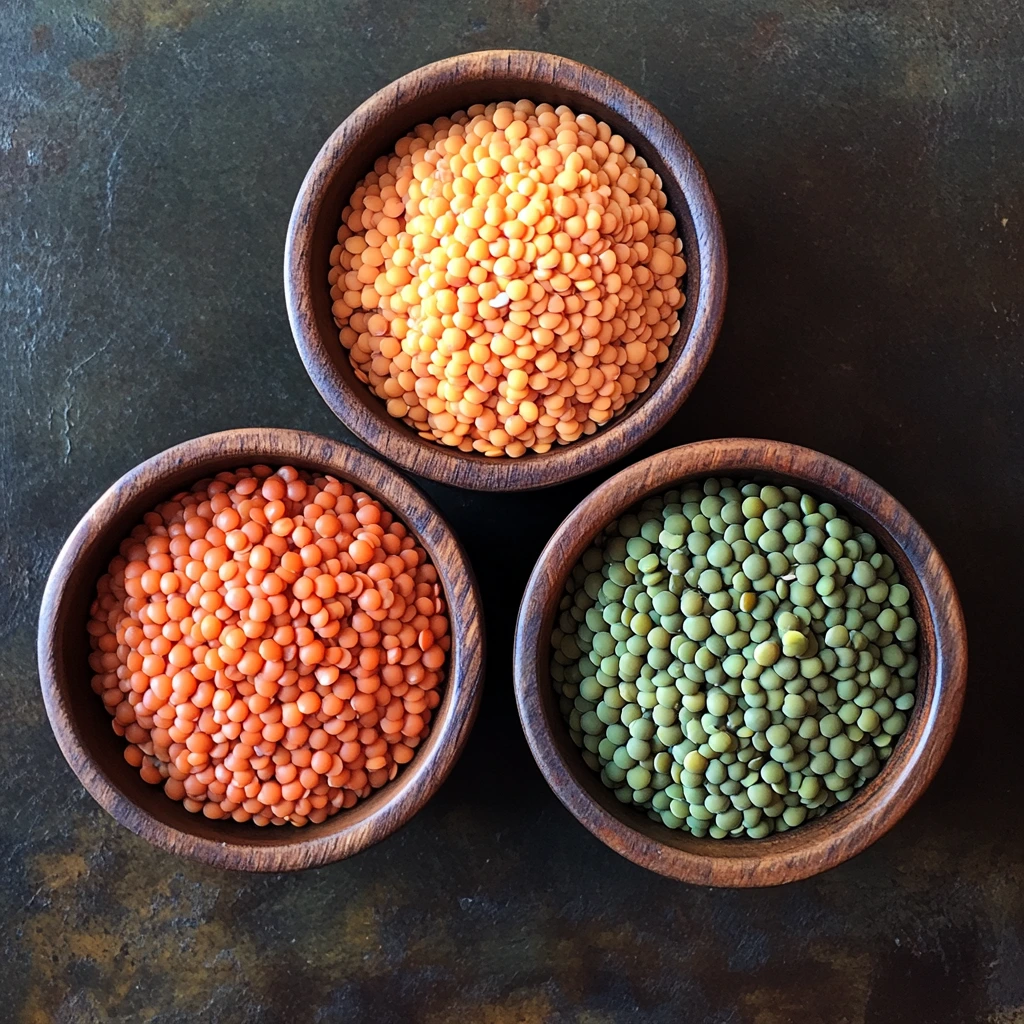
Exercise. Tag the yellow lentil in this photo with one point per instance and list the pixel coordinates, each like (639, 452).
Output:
(508, 278)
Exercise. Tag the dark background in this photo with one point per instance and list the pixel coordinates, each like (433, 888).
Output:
(868, 162)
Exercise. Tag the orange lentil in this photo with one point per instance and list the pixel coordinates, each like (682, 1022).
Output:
(505, 282)
(268, 676)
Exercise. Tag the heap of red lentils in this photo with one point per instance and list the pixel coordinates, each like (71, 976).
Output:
(508, 278)
(270, 645)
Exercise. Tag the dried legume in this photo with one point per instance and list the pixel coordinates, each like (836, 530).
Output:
(270, 644)
(753, 697)
(508, 278)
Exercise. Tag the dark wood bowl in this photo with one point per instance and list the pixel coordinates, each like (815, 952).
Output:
(441, 89)
(846, 829)
(83, 726)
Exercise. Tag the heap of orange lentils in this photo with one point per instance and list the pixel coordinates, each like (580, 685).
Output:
(270, 644)
(508, 278)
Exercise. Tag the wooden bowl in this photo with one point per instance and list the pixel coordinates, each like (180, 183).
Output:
(441, 89)
(83, 726)
(846, 829)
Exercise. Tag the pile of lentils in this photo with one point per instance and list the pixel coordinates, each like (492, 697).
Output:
(271, 645)
(734, 658)
(508, 278)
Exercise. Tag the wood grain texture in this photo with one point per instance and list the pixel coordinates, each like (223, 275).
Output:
(847, 829)
(440, 89)
(83, 727)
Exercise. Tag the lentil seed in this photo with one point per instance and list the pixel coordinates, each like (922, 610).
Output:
(765, 675)
(505, 280)
(310, 643)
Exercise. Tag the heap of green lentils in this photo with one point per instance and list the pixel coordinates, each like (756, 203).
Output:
(735, 658)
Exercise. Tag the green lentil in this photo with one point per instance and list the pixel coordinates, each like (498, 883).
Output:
(735, 659)
(723, 622)
(766, 653)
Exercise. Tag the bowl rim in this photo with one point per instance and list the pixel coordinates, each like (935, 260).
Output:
(639, 421)
(418, 781)
(790, 856)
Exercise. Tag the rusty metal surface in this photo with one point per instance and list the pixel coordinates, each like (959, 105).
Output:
(867, 157)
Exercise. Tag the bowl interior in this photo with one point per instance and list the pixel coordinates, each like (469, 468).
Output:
(99, 759)
(374, 129)
(801, 848)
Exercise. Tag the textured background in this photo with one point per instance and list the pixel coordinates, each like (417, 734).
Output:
(867, 158)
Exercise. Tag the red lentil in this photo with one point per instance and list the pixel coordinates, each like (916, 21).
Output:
(260, 643)
(508, 278)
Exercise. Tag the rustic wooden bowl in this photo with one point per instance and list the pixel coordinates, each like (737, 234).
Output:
(82, 725)
(846, 829)
(440, 89)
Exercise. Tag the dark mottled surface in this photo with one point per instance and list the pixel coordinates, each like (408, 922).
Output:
(867, 157)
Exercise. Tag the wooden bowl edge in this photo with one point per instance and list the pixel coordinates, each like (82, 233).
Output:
(301, 851)
(894, 796)
(589, 454)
